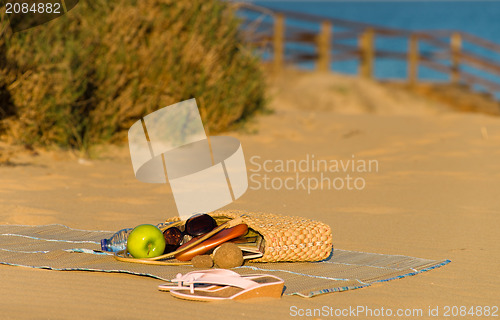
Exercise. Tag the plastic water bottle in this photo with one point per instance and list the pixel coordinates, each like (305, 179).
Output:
(118, 241)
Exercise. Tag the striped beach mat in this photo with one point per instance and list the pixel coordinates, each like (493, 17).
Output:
(57, 247)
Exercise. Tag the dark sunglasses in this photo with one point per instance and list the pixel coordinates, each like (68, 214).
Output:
(195, 226)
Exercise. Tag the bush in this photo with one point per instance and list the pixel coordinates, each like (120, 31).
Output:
(84, 78)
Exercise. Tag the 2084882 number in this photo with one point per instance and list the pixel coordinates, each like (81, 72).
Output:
(477, 311)
(33, 8)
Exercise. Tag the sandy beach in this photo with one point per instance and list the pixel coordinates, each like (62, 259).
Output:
(433, 194)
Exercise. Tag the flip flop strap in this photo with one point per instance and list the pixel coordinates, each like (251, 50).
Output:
(195, 275)
(238, 282)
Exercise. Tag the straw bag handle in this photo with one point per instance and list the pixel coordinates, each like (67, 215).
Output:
(122, 255)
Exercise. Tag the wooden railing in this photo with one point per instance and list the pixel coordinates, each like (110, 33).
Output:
(331, 39)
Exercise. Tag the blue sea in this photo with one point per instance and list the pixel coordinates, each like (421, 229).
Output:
(480, 18)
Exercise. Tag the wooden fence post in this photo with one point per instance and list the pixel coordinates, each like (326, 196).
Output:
(455, 48)
(413, 58)
(325, 46)
(278, 41)
(367, 48)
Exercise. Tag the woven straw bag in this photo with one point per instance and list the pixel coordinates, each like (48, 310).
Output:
(286, 238)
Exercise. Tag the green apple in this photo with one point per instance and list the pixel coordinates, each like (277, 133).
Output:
(146, 241)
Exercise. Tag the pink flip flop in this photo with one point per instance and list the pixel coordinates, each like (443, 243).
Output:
(231, 288)
(183, 280)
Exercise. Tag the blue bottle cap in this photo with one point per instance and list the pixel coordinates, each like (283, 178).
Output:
(104, 245)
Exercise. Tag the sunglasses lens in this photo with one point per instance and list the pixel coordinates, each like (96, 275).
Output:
(173, 236)
(170, 248)
(200, 224)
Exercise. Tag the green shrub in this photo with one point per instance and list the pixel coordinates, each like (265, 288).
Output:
(84, 78)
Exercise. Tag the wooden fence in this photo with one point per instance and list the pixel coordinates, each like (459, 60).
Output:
(445, 53)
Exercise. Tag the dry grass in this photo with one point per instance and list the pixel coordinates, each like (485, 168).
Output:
(84, 78)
